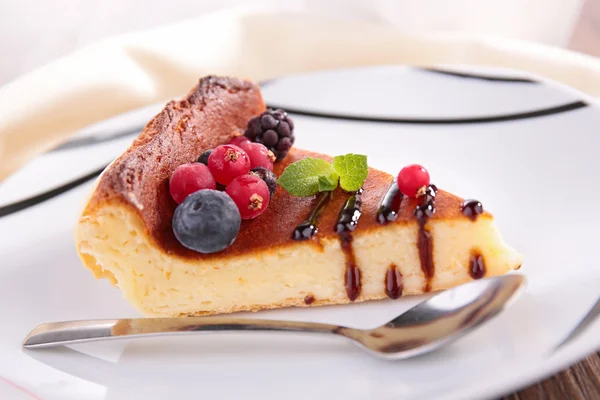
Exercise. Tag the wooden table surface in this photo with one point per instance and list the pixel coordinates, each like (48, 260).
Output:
(580, 382)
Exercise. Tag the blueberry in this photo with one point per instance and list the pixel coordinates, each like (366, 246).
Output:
(204, 157)
(207, 221)
(268, 176)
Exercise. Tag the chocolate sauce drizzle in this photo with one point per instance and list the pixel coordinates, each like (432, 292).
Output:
(472, 208)
(424, 240)
(347, 222)
(308, 228)
(390, 204)
(350, 213)
(477, 265)
(393, 282)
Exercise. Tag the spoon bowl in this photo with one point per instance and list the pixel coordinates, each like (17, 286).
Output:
(441, 319)
(431, 324)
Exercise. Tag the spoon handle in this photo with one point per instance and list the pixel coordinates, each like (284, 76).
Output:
(70, 332)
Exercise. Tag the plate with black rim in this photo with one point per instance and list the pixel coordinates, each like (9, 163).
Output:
(527, 148)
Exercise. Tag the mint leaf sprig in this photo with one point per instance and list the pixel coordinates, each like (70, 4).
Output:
(353, 170)
(309, 176)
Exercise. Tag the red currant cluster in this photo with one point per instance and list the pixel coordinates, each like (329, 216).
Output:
(230, 165)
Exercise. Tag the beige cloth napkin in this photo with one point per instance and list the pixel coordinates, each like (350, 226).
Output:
(42, 108)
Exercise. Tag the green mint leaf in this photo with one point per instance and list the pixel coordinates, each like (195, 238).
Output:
(329, 182)
(352, 169)
(308, 176)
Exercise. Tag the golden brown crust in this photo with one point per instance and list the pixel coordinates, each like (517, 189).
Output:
(210, 115)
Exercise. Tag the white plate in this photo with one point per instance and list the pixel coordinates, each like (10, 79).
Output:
(525, 148)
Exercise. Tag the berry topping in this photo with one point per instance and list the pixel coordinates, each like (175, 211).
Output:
(260, 156)
(251, 195)
(207, 221)
(284, 145)
(227, 162)
(270, 138)
(268, 176)
(189, 178)
(413, 180)
(268, 121)
(204, 157)
(239, 141)
(284, 129)
(274, 129)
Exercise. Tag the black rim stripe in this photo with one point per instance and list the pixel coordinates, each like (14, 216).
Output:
(479, 76)
(91, 140)
(438, 121)
(95, 139)
(40, 198)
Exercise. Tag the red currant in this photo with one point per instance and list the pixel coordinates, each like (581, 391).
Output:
(227, 162)
(259, 155)
(189, 178)
(412, 179)
(239, 141)
(250, 194)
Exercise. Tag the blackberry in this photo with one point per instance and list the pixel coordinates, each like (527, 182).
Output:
(274, 129)
(268, 176)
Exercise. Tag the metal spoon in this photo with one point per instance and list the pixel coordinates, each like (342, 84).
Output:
(429, 325)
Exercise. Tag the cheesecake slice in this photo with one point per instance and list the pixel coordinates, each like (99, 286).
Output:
(125, 235)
